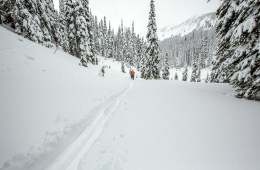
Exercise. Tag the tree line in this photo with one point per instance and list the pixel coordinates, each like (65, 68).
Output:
(74, 29)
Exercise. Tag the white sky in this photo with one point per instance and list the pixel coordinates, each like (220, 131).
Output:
(168, 12)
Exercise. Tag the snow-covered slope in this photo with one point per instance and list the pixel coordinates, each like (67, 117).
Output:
(47, 99)
(56, 115)
(203, 22)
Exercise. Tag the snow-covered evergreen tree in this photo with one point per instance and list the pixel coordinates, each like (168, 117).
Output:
(185, 74)
(123, 67)
(91, 57)
(166, 68)
(152, 70)
(48, 17)
(8, 8)
(194, 73)
(176, 77)
(27, 20)
(198, 77)
(238, 49)
(110, 42)
(104, 37)
(63, 29)
(207, 80)
(96, 35)
(140, 52)
(36, 20)
(82, 37)
(133, 45)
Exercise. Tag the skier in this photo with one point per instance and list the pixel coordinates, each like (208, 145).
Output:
(132, 74)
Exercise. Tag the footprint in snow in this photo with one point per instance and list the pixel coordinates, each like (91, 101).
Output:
(30, 58)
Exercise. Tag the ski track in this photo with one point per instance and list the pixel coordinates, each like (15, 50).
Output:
(70, 158)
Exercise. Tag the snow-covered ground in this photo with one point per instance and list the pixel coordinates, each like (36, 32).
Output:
(57, 115)
(47, 100)
(177, 125)
(180, 71)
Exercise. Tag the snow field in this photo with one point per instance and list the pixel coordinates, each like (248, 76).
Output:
(71, 157)
(204, 73)
(57, 115)
(47, 100)
(178, 125)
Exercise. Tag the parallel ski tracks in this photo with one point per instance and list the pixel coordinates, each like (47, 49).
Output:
(69, 159)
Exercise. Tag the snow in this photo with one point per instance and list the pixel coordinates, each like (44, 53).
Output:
(57, 115)
(203, 22)
(46, 98)
(204, 73)
(182, 126)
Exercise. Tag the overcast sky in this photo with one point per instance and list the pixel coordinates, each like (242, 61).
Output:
(168, 12)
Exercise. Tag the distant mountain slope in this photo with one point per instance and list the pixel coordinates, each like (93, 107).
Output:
(205, 22)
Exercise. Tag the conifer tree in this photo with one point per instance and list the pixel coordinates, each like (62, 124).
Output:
(110, 42)
(198, 77)
(27, 22)
(166, 68)
(238, 48)
(127, 47)
(96, 35)
(105, 39)
(8, 7)
(151, 69)
(47, 17)
(133, 45)
(185, 74)
(194, 73)
(207, 80)
(91, 55)
(123, 67)
(140, 52)
(63, 29)
(176, 76)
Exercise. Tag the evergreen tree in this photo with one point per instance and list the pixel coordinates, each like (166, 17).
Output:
(110, 42)
(27, 22)
(198, 77)
(238, 49)
(185, 74)
(194, 73)
(81, 37)
(166, 68)
(63, 29)
(133, 45)
(176, 76)
(49, 22)
(91, 55)
(70, 21)
(127, 47)
(104, 38)
(123, 67)
(207, 80)
(140, 52)
(151, 69)
(96, 36)
(33, 19)
(8, 8)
